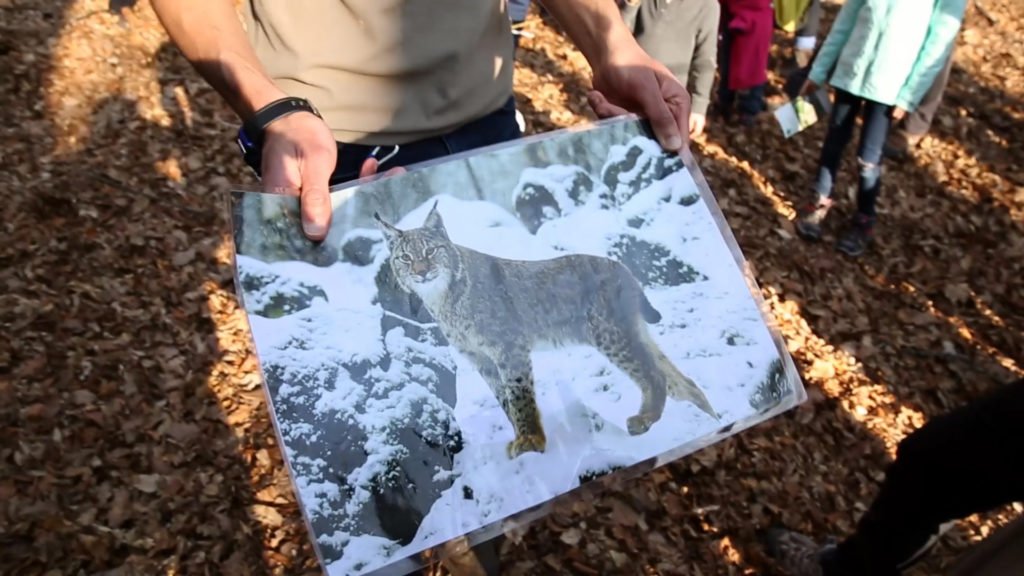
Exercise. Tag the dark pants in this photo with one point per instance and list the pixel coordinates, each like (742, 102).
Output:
(875, 128)
(918, 122)
(749, 102)
(811, 21)
(496, 127)
(961, 463)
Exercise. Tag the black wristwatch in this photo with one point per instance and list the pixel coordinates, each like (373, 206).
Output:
(254, 127)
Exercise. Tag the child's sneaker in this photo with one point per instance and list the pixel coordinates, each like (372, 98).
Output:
(858, 236)
(795, 553)
(810, 217)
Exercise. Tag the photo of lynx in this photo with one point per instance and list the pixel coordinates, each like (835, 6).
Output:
(497, 311)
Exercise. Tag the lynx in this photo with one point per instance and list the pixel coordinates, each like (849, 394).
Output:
(496, 312)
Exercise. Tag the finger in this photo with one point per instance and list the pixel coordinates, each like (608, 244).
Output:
(675, 100)
(317, 167)
(372, 165)
(602, 107)
(369, 167)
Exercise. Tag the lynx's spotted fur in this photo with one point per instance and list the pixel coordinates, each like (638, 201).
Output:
(497, 311)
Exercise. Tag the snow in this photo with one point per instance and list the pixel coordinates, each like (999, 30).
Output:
(711, 329)
(257, 299)
(649, 156)
(558, 180)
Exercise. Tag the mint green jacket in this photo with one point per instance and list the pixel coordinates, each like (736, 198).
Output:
(889, 51)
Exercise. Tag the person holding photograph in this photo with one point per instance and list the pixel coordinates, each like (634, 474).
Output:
(683, 35)
(329, 91)
(954, 466)
(883, 56)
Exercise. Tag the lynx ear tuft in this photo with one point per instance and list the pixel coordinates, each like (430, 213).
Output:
(434, 220)
(390, 232)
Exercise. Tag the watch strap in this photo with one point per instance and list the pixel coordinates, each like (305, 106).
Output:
(255, 126)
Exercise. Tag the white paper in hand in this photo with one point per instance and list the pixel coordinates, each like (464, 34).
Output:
(796, 116)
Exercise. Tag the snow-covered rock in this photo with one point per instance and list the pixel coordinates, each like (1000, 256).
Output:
(361, 247)
(636, 165)
(272, 295)
(548, 193)
(773, 390)
(364, 397)
(653, 264)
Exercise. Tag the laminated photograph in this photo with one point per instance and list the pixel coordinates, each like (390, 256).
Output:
(493, 331)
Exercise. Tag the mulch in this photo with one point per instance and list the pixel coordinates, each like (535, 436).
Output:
(135, 432)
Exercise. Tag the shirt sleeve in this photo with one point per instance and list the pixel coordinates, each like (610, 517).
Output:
(938, 46)
(834, 42)
(705, 59)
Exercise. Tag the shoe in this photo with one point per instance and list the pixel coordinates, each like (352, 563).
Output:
(858, 236)
(810, 217)
(795, 553)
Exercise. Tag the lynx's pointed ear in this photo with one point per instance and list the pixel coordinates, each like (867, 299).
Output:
(390, 232)
(434, 221)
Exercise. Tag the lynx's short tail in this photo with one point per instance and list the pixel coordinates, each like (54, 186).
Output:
(648, 311)
(682, 388)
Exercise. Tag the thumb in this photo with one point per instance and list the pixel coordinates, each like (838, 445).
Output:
(315, 196)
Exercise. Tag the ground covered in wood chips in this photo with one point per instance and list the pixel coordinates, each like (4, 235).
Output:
(134, 434)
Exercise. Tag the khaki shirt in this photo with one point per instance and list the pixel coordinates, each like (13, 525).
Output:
(387, 71)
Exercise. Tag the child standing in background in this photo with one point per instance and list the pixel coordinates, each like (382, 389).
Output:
(746, 32)
(682, 35)
(806, 35)
(803, 19)
(883, 56)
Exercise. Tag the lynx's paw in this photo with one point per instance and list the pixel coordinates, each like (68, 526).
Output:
(637, 425)
(527, 443)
